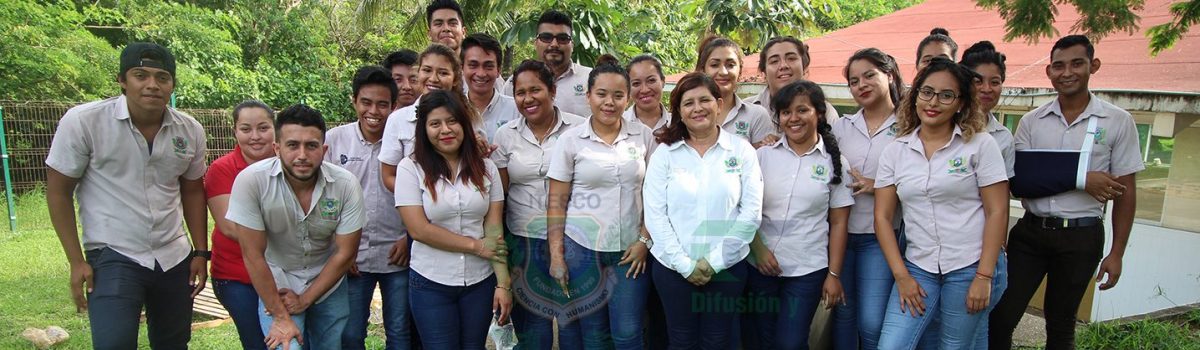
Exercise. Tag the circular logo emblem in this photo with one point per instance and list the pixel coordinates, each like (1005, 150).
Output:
(588, 288)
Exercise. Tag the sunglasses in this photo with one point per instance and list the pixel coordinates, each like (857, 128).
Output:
(562, 38)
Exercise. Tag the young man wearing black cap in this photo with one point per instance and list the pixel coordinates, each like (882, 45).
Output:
(137, 168)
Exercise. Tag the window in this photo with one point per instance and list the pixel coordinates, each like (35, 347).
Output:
(1168, 190)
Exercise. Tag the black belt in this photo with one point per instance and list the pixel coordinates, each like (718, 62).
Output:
(1052, 223)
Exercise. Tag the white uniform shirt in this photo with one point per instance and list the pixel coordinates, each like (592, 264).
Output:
(1115, 151)
(763, 99)
(1004, 139)
(128, 191)
(300, 240)
(460, 208)
(398, 133)
(663, 122)
(605, 209)
(862, 149)
(703, 207)
(350, 150)
(527, 162)
(748, 121)
(943, 209)
(570, 90)
(796, 205)
(499, 110)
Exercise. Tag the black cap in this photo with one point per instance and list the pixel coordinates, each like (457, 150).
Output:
(147, 55)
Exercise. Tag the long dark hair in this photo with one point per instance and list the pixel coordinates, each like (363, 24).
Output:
(981, 53)
(675, 131)
(970, 117)
(472, 168)
(886, 64)
(710, 44)
(783, 100)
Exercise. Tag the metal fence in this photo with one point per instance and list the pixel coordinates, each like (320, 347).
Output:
(30, 125)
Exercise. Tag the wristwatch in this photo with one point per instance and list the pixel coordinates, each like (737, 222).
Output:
(647, 241)
(206, 254)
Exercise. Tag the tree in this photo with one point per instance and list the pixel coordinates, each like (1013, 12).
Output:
(1034, 19)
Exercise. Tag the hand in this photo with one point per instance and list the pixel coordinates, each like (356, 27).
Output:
(767, 141)
(764, 261)
(705, 267)
(861, 183)
(558, 270)
(1111, 265)
(282, 331)
(502, 302)
(492, 248)
(295, 303)
(912, 297)
(354, 270)
(1103, 186)
(636, 256)
(399, 254)
(198, 276)
(81, 277)
(485, 148)
(979, 295)
(832, 292)
(697, 278)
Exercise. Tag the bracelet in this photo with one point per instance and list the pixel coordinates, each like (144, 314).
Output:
(509, 289)
(983, 276)
(834, 274)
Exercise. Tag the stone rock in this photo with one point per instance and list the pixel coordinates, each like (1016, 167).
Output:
(45, 338)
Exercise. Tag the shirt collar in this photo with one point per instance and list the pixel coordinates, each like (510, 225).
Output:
(764, 98)
(627, 130)
(239, 158)
(738, 106)
(358, 132)
(915, 143)
(495, 97)
(1092, 109)
(818, 148)
(993, 124)
(522, 126)
(123, 111)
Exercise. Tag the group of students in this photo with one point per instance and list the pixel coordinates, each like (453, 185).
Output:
(573, 199)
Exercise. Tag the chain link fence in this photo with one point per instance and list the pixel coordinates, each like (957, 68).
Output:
(30, 125)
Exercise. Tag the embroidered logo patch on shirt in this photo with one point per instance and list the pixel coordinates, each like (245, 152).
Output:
(578, 89)
(891, 131)
(732, 165)
(1100, 134)
(180, 144)
(957, 166)
(743, 128)
(632, 151)
(329, 209)
(819, 173)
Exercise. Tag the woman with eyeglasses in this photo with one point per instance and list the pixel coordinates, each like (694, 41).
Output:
(721, 59)
(948, 175)
(876, 85)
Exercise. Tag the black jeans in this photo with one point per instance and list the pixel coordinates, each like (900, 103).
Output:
(122, 287)
(1067, 258)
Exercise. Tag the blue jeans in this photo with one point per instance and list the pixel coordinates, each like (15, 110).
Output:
(321, 324)
(529, 263)
(700, 317)
(867, 281)
(781, 309)
(450, 317)
(393, 288)
(946, 297)
(241, 301)
(616, 319)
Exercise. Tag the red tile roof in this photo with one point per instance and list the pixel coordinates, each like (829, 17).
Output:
(1125, 59)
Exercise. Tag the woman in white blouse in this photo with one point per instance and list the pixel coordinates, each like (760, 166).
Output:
(598, 245)
(948, 175)
(523, 149)
(451, 200)
(798, 251)
(703, 196)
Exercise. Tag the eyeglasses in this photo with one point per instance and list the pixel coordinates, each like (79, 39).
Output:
(944, 97)
(562, 38)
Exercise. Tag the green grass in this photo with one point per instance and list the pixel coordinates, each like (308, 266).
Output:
(34, 293)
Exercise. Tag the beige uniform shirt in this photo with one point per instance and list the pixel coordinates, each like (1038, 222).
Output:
(748, 121)
(1004, 139)
(631, 115)
(527, 162)
(460, 208)
(862, 149)
(796, 205)
(943, 209)
(605, 209)
(350, 150)
(128, 192)
(1115, 151)
(300, 240)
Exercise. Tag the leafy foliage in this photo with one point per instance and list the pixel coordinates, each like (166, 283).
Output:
(1034, 19)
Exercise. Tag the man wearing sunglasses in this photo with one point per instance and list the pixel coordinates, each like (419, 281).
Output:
(554, 44)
